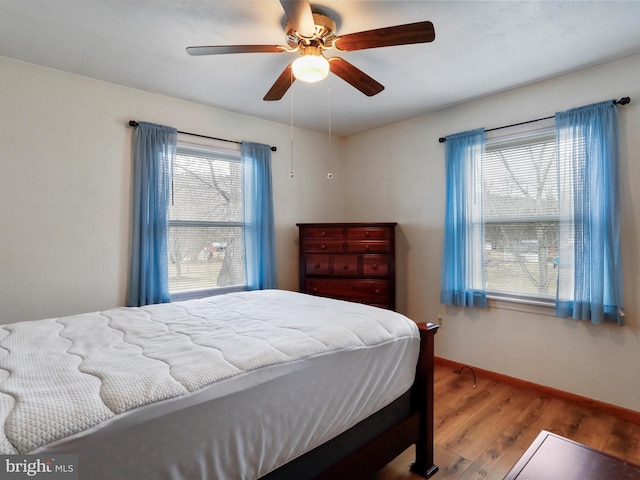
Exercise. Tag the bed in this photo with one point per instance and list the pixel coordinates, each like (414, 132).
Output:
(268, 384)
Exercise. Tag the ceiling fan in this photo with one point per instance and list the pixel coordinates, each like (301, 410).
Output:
(310, 34)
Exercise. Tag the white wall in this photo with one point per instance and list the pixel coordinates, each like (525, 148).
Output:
(396, 173)
(65, 186)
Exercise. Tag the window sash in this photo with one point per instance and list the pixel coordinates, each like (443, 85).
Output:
(202, 223)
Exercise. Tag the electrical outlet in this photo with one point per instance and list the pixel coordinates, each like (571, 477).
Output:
(440, 319)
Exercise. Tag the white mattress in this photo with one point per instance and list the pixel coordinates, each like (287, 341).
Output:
(226, 387)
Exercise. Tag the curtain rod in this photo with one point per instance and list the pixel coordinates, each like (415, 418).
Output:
(134, 123)
(622, 101)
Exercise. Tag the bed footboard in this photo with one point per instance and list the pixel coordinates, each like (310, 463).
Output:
(416, 429)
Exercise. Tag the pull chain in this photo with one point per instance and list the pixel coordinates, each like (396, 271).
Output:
(291, 130)
(330, 174)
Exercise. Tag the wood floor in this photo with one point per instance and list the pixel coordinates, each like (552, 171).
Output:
(480, 433)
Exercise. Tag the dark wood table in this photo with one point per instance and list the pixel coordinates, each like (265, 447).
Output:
(552, 457)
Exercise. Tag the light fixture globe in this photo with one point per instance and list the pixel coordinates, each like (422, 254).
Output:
(311, 66)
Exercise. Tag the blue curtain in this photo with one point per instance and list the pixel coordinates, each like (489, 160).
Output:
(154, 148)
(590, 268)
(258, 219)
(462, 281)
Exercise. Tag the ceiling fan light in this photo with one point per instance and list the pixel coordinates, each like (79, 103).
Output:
(310, 68)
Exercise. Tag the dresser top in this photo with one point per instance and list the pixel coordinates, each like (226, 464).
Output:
(348, 224)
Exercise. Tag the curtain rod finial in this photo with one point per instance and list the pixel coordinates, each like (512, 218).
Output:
(442, 139)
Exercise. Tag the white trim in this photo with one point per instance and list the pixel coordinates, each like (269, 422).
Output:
(521, 132)
(216, 152)
(189, 141)
(523, 305)
(209, 292)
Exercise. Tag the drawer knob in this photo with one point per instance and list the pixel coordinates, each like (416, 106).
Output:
(323, 234)
(323, 246)
(375, 266)
(367, 234)
(317, 265)
(367, 247)
(377, 291)
(314, 290)
(346, 266)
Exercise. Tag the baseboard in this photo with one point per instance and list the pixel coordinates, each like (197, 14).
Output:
(620, 412)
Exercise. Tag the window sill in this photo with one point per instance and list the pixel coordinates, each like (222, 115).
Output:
(538, 307)
(193, 294)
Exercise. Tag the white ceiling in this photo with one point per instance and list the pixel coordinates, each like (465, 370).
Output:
(481, 48)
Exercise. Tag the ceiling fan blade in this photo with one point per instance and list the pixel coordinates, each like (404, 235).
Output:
(300, 16)
(224, 49)
(420, 32)
(355, 76)
(281, 85)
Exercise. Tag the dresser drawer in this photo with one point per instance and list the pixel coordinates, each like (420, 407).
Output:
(323, 246)
(373, 246)
(323, 232)
(345, 265)
(317, 264)
(375, 265)
(364, 291)
(373, 233)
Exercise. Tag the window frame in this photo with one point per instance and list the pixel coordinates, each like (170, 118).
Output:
(523, 136)
(221, 154)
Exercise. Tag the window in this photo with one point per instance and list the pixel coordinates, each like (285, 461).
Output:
(535, 217)
(520, 196)
(205, 240)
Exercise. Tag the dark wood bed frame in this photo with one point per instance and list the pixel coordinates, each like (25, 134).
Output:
(379, 449)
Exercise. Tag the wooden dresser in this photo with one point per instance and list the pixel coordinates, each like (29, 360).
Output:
(349, 261)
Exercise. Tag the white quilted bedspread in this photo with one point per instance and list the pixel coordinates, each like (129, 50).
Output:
(62, 376)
